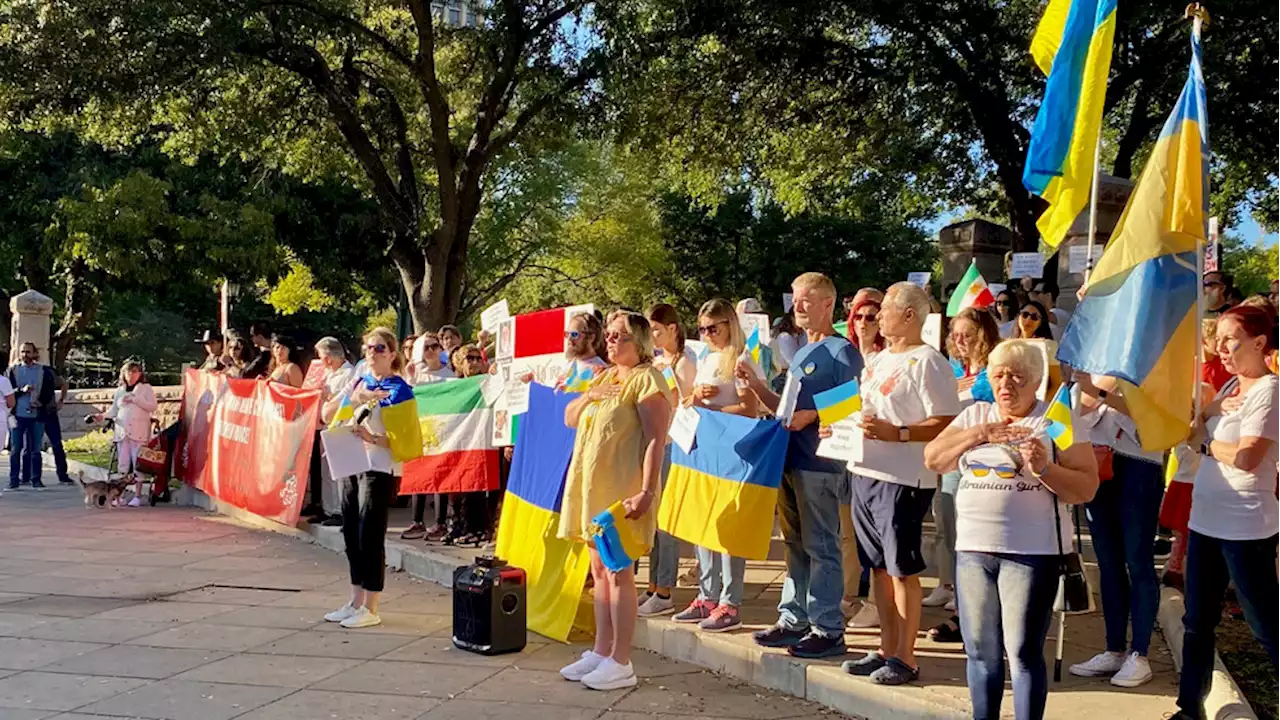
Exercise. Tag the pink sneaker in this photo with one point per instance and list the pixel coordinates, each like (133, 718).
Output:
(724, 617)
(697, 611)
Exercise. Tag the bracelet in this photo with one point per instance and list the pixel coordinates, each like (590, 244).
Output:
(1038, 475)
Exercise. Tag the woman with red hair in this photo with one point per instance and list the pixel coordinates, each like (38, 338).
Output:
(864, 323)
(1235, 516)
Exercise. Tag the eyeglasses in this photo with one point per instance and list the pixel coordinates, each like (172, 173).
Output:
(573, 335)
(616, 337)
(475, 358)
(866, 317)
(376, 348)
(1029, 315)
(713, 329)
(1002, 471)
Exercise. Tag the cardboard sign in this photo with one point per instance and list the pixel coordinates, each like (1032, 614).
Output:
(755, 321)
(997, 288)
(788, 302)
(517, 397)
(932, 332)
(1078, 257)
(1212, 249)
(845, 442)
(493, 315)
(684, 427)
(1030, 265)
(920, 279)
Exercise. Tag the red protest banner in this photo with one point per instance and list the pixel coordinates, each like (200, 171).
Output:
(248, 443)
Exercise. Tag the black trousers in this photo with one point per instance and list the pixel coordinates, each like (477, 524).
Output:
(365, 501)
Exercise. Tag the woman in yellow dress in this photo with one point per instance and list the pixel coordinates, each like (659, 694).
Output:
(617, 456)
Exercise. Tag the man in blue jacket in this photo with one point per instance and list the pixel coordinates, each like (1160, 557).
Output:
(34, 386)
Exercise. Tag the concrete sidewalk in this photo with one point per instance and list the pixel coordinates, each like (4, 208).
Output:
(170, 613)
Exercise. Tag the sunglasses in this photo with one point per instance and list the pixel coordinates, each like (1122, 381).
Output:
(475, 358)
(866, 318)
(713, 329)
(377, 348)
(1002, 471)
(573, 335)
(1029, 315)
(616, 337)
(430, 347)
(1214, 283)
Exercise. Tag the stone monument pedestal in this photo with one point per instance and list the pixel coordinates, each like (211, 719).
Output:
(30, 324)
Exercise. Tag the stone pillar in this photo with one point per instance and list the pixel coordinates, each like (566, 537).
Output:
(1113, 194)
(30, 323)
(968, 240)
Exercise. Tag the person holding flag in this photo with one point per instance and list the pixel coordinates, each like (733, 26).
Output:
(1021, 463)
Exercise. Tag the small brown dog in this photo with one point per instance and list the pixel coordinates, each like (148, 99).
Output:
(101, 493)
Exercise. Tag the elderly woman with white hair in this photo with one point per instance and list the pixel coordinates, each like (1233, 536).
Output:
(1011, 527)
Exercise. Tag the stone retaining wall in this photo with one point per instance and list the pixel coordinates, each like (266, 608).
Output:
(95, 400)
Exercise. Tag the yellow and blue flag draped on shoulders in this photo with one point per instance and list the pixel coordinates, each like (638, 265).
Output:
(399, 417)
(1137, 320)
(838, 403)
(1061, 429)
(721, 496)
(556, 568)
(1072, 46)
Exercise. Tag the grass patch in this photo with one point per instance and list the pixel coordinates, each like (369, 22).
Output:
(93, 448)
(101, 460)
(1249, 665)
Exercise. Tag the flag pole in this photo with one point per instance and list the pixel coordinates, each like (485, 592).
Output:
(1093, 204)
(1198, 14)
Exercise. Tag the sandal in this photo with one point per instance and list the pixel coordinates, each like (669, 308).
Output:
(414, 532)
(947, 632)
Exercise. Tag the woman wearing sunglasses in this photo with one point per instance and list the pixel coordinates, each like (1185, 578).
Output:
(367, 498)
(425, 367)
(1235, 516)
(470, 525)
(617, 457)
(240, 355)
(679, 365)
(1006, 313)
(1011, 511)
(720, 584)
(1032, 323)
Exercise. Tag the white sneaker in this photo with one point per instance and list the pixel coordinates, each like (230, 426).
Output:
(867, 617)
(1135, 671)
(654, 605)
(950, 606)
(1100, 665)
(940, 596)
(610, 676)
(135, 502)
(362, 618)
(581, 667)
(340, 614)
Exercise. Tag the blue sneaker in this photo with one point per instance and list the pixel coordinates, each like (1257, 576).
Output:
(817, 645)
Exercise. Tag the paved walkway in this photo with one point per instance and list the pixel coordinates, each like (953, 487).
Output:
(172, 614)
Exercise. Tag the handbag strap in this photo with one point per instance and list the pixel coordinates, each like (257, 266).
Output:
(1053, 498)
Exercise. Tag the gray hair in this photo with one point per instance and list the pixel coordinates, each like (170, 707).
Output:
(1021, 356)
(907, 295)
(331, 347)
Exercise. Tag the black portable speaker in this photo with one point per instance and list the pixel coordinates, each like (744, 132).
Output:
(489, 613)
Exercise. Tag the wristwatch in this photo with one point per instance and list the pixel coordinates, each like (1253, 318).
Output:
(904, 434)
(1206, 449)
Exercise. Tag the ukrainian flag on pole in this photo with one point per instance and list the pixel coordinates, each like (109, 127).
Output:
(1138, 320)
(1072, 46)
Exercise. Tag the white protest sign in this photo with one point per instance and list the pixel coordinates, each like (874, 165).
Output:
(697, 346)
(1078, 257)
(919, 278)
(506, 348)
(787, 400)
(932, 332)
(344, 452)
(573, 310)
(493, 387)
(1027, 265)
(517, 397)
(755, 321)
(845, 442)
(1212, 249)
(493, 315)
(997, 288)
(684, 427)
(788, 302)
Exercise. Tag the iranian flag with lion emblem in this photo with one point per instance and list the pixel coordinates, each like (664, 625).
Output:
(458, 454)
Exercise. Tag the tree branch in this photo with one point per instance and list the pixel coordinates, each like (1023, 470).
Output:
(350, 23)
(438, 110)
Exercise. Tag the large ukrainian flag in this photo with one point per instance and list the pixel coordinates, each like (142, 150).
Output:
(1072, 46)
(721, 496)
(556, 568)
(1138, 318)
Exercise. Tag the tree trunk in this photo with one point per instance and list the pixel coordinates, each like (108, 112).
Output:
(433, 278)
(80, 308)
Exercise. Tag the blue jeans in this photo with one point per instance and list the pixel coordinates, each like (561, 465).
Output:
(664, 558)
(24, 451)
(720, 577)
(53, 430)
(1211, 563)
(1122, 519)
(809, 513)
(1005, 604)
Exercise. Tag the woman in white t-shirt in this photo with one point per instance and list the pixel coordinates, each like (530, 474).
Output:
(679, 366)
(1235, 517)
(720, 583)
(1122, 516)
(1010, 527)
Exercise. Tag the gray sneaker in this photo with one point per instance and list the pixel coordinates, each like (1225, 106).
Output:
(697, 611)
(724, 617)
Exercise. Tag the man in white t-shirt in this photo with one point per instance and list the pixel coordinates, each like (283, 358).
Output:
(909, 395)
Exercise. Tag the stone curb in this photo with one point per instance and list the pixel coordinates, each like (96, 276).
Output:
(1225, 701)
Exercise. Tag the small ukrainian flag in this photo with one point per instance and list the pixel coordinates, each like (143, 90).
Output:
(838, 403)
(753, 345)
(1059, 416)
(669, 374)
(579, 380)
